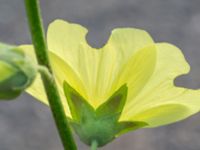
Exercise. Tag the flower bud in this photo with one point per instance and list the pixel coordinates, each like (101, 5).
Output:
(17, 71)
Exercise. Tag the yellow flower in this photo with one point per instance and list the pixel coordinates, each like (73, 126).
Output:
(130, 58)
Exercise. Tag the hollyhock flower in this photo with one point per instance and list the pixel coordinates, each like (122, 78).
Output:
(125, 85)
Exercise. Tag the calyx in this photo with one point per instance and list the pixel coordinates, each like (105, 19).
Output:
(99, 124)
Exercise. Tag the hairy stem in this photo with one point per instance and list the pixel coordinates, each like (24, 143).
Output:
(39, 42)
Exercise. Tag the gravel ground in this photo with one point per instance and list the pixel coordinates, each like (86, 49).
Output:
(26, 124)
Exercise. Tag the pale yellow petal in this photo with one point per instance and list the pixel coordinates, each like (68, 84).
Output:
(137, 71)
(160, 115)
(37, 88)
(160, 91)
(67, 41)
(114, 56)
(126, 41)
(97, 69)
(64, 40)
(62, 72)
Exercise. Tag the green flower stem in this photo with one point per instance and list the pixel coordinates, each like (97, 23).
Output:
(94, 145)
(40, 46)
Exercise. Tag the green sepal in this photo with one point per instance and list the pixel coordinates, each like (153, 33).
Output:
(102, 130)
(115, 103)
(102, 124)
(79, 107)
(22, 74)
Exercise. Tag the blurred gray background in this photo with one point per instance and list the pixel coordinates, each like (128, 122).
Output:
(25, 124)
